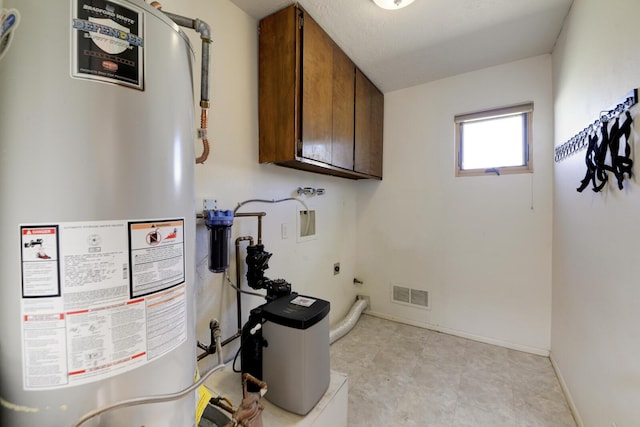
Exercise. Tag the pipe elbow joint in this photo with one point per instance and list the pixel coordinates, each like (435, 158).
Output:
(204, 29)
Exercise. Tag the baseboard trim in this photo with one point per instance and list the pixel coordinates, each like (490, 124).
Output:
(567, 393)
(462, 334)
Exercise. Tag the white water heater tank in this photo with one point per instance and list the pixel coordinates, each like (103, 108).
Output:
(97, 215)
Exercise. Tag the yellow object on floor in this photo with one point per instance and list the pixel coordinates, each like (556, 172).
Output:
(203, 399)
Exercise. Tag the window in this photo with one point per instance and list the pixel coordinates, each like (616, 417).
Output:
(494, 141)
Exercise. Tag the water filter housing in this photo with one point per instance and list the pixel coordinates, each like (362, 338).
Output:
(219, 223)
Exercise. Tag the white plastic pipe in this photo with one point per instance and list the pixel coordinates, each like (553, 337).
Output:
(343, 328)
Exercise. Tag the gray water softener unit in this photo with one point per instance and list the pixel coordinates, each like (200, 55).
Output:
(295, 361)
(285, 342)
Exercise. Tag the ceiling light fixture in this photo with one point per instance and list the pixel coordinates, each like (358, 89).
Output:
(392, 4)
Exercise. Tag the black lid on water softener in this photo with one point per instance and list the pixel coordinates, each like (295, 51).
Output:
(296, 311)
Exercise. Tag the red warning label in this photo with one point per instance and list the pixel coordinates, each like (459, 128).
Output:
(37, 231)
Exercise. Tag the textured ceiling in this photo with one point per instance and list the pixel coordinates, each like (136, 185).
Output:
(431, 39)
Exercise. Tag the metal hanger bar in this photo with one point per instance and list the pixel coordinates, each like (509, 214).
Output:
(579, 141)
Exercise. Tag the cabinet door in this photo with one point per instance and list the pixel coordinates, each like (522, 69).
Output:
(368, 127)
(278, 70)
(343, 109)
(317, 92)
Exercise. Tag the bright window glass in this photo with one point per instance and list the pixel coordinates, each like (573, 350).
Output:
(494, 142)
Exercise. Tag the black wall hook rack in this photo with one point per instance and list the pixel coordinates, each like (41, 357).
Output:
(580, 141)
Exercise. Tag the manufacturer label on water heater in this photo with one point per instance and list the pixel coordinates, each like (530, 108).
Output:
(99, 298)
(108, 42)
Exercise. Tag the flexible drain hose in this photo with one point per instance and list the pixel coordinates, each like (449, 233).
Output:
(342, 328)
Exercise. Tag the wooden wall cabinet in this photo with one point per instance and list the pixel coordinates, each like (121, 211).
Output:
(317, 111)
(369, 107)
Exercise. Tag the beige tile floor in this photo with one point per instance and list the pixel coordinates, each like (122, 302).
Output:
(400, 375)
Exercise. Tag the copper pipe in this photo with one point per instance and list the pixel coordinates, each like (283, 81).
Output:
(246, 377)
(227, 405)
(244, 238)
(244, 214)
(259, 215)
(203, 135)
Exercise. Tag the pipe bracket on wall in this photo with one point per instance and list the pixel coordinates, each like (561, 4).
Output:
(310, 191)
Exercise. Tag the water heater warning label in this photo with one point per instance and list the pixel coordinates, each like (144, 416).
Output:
(40, 267)
(99, 298)
(157, 256)
(108, 42)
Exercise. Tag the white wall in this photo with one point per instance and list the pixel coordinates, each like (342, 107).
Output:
(475, 243)
(596, 291)
(480, 245)
(232, 174)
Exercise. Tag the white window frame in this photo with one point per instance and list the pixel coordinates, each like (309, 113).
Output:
(525, 109)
